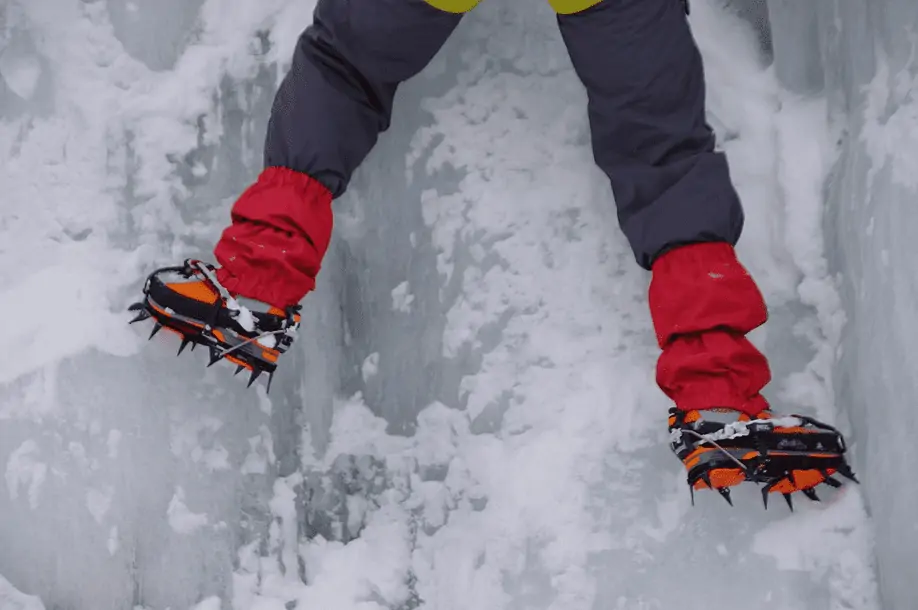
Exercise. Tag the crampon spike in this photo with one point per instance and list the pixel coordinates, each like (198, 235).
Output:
(185, 342)
(255, 373)
(215, 356)
(725, 494)
(156, 328)
(790, 501)
(828, 480)
(811, 494)
(791, 478)
(136, 307)
(767, 490)
(833, 482)
(268, 385)
(706, 478)
(845, 471)
(140, 317)
(239, 369)
(691, 489)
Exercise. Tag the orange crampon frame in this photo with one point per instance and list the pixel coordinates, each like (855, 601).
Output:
(190, 302)
(722, 448)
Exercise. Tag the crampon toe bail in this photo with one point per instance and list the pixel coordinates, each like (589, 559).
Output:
(190, 302)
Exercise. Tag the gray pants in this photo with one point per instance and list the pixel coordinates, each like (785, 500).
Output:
(637, 59)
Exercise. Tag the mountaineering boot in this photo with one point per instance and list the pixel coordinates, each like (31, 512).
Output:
(704, 303)
(246, 311)
(721, 448)
(191, 302)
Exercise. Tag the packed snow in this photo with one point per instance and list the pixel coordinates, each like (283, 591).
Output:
(469, 418)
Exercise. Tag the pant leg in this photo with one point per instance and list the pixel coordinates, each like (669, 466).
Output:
(337, 97)
(676, 202)
(645, 82)
(327, 115)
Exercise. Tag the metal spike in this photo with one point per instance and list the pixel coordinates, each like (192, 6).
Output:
(845, 471)
(268, 386)
(767, 490)
(182, 347)
(790, 501)
(239, 369)
(792, 478)
(215, 356)
(255, 373)
(143, 315)
(725, 494)
(135, 307)
(691, 489)
(707, 479)
(156, 328)
(811, 494)
(833, 482)
(194, 345)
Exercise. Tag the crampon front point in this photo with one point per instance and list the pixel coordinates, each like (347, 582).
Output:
(721, 448)
(190, 302)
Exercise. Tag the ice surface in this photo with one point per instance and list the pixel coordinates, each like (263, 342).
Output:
(11, 599)
(470, 418)
(868, 70)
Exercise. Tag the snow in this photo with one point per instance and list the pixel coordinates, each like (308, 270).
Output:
(24, 470)
(402, 298)
(370, 366)
(487, 433)
(98, 503)
(870, 73)
(11, 599)
(181, 519)
(21, 73)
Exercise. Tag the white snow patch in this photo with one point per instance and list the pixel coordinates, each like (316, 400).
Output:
(890, 131)
(11, 599)
(20, 72)
(113, 544)
(24, 469)
(402, 298)
(211, 603)
(243, 314)
(832, 540)
(261, 453)
(113, 442)
(99, 502)
(370, 366)
(196, 439)
(181, 519)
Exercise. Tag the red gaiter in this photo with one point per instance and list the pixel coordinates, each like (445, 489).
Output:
(703, 303)
(280, 231)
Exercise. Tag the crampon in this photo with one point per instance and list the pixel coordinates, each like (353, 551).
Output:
(721, 448)
(190, 302)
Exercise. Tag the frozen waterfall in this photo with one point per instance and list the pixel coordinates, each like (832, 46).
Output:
(470, 419)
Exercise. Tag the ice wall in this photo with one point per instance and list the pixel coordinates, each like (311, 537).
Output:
(862, 55)
(129, 481)
(470, 418)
